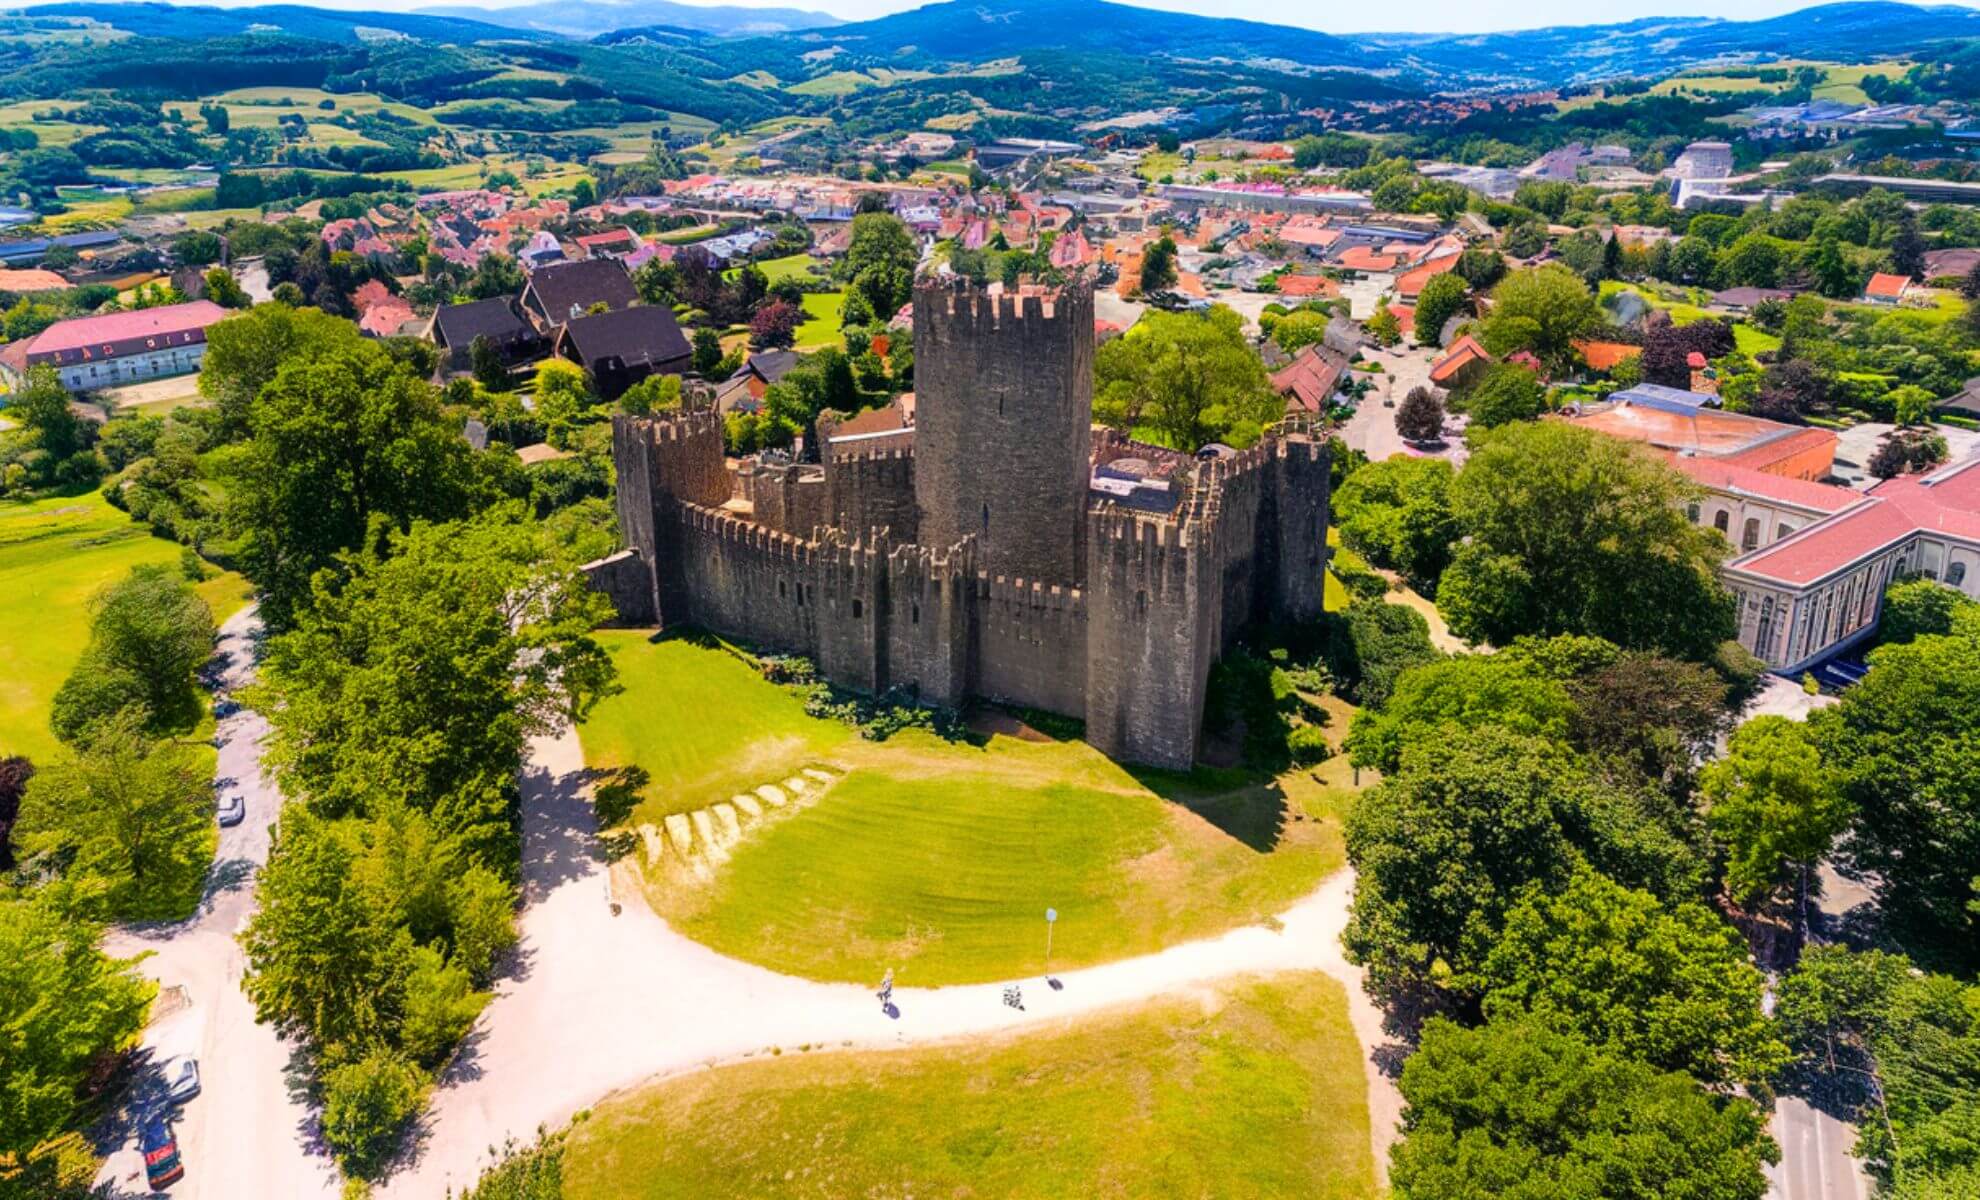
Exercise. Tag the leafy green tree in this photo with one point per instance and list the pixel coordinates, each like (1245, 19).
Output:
(1911, 404)
(1755, 260)
(1445, 847)
(655, 393)
(1420, 416)
(1518, 1109)
(495, 275)
(1772, 804)
(340, 440)
(880, 261)
(1397, 514)
(1670, 986)
(366, 1104)
(1385, 327)
(1377, 642)
(1915, 607)
(244, 353)
(130, 812)
(1465, 691)
(1647, 717)
(1835, 276)
(1441, 299)
(1158, 266)
(1554, 517)
(1506, 393)
(1693, 261)
(562, 396)
(707, 351)
(416, 681)
(149, 632)
(1297, 330)
(223, 289)
(1906, 744)
(41, 408)
(1191, 378)
(66, 1009)
(1542, 310)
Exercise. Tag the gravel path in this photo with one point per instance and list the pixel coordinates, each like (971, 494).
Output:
(601, 1002)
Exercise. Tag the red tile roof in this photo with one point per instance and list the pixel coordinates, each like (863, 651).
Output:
(1945, 502)
(1361, 258)
(1882, 284)
(1309, 380)
(1730, 477)
(1462, 354)
(1410, 283)
(1765, 453)
(1308, 285)
(1606, 356)
(111, 334)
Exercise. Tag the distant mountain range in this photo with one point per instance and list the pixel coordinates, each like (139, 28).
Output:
(589, 18)
(976, 31)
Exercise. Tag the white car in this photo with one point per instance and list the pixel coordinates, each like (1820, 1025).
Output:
(231, 811)
(182, 1082)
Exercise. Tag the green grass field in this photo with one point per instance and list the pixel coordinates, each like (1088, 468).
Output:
(54, 554)
(821, 320)
(1254, 1090)
(776, 270)
(938, 858)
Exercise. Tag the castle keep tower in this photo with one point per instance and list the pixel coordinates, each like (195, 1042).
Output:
(1003, 415)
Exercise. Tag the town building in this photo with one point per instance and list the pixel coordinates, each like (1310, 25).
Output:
(114, 348)
(561, 291)
(455, 326)
(1003, 550)
(621, 347)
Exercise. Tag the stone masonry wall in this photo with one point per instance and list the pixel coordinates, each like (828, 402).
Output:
(1030, 645)
(873, 490)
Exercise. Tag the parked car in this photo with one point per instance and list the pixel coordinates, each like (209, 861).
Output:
(182, 1083)
(162, 1167)
(232, 810)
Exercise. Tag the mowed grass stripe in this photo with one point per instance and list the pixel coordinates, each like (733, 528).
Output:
(1255, 1090)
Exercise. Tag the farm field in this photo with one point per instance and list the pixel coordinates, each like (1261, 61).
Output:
(935, 857)
(54, 554)
(1253, 1089)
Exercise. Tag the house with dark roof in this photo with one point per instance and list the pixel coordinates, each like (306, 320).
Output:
(621, 347)
(559, 292)
(455, 326)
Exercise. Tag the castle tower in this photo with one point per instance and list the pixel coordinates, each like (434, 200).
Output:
(1003, 416)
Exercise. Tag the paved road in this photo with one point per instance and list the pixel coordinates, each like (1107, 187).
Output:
(245, 1135)
(603, 1003)
(1815, 1162)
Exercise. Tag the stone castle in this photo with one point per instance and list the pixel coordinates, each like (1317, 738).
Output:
(1001, 548)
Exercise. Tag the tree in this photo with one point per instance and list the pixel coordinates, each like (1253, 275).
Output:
(1158, 266)
(1670, 986)
(1542, 310)
(655, 393)
(1916, 607)
(485, 359)
(1905, 744)
(148, 633)
(1297, 330)
(1773, 806)
(1481, 268)
(197, 248)
(1506, 393)
(41, 408)
(1464, 691)
(1555, 516)
(707, 351)
(1385, 327)
(1397, 514)
(1445, 847)
(1693, 261)
(774, 327)
(244, 353)
(1191, 378)
(1518, 1109)
(1911, 404)
(15, 771)
(366, 1105)
(1906, 450)
(1908, 248)
(1420, 416)
(339, 439)
(1835, 276)
(223, 289)
(1441, 299)
(66, 1009)
(880, 261)
(1755, 260)
(415, 682)
(495, 275)
(1791, 390)
(133, 813)
(1646, 716)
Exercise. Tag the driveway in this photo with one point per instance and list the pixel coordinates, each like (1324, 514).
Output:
(601, 1003)
(1372, 428)
(245, 1134)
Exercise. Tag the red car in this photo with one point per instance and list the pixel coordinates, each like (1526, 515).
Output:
(162, 1167)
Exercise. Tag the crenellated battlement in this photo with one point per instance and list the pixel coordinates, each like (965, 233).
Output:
(745, 534)
(957, 299)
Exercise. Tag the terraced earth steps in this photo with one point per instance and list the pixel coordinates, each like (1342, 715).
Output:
(701, 839)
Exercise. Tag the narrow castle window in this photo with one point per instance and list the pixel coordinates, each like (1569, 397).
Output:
(914, 612)
(781, 593)
(986, 520)
(858, 610)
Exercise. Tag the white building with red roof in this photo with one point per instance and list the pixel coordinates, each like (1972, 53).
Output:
(1816, 589)
(120, 347)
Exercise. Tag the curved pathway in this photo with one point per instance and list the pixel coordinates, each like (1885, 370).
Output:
(600, 1003)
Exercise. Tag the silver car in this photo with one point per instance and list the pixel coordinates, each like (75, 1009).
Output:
(182, 1083)
(232, 810)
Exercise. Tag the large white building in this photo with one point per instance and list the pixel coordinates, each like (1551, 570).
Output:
(122, 347)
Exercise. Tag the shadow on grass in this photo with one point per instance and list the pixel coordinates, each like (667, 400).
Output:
(1249, 806)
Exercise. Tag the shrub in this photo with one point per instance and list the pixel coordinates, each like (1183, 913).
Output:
(366, 1105)
(1308, 746)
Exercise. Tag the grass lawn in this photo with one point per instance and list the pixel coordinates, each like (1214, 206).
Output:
(776, 270)
(1751, 340)
(54, 554)
(1253, 1090)
(821, 320)
(938, 858)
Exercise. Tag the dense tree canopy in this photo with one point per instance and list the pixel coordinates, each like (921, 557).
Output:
(1434, 700)
(1516, 1109)
(1189, 378)
(1771, 803)
(148, 633)
(1397, 514)
(1671, 986)
(880, 261)
(1569, 531)
(1542, 310)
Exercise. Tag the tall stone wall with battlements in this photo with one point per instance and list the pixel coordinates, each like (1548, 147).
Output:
(851, 570)
(1003, 419)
